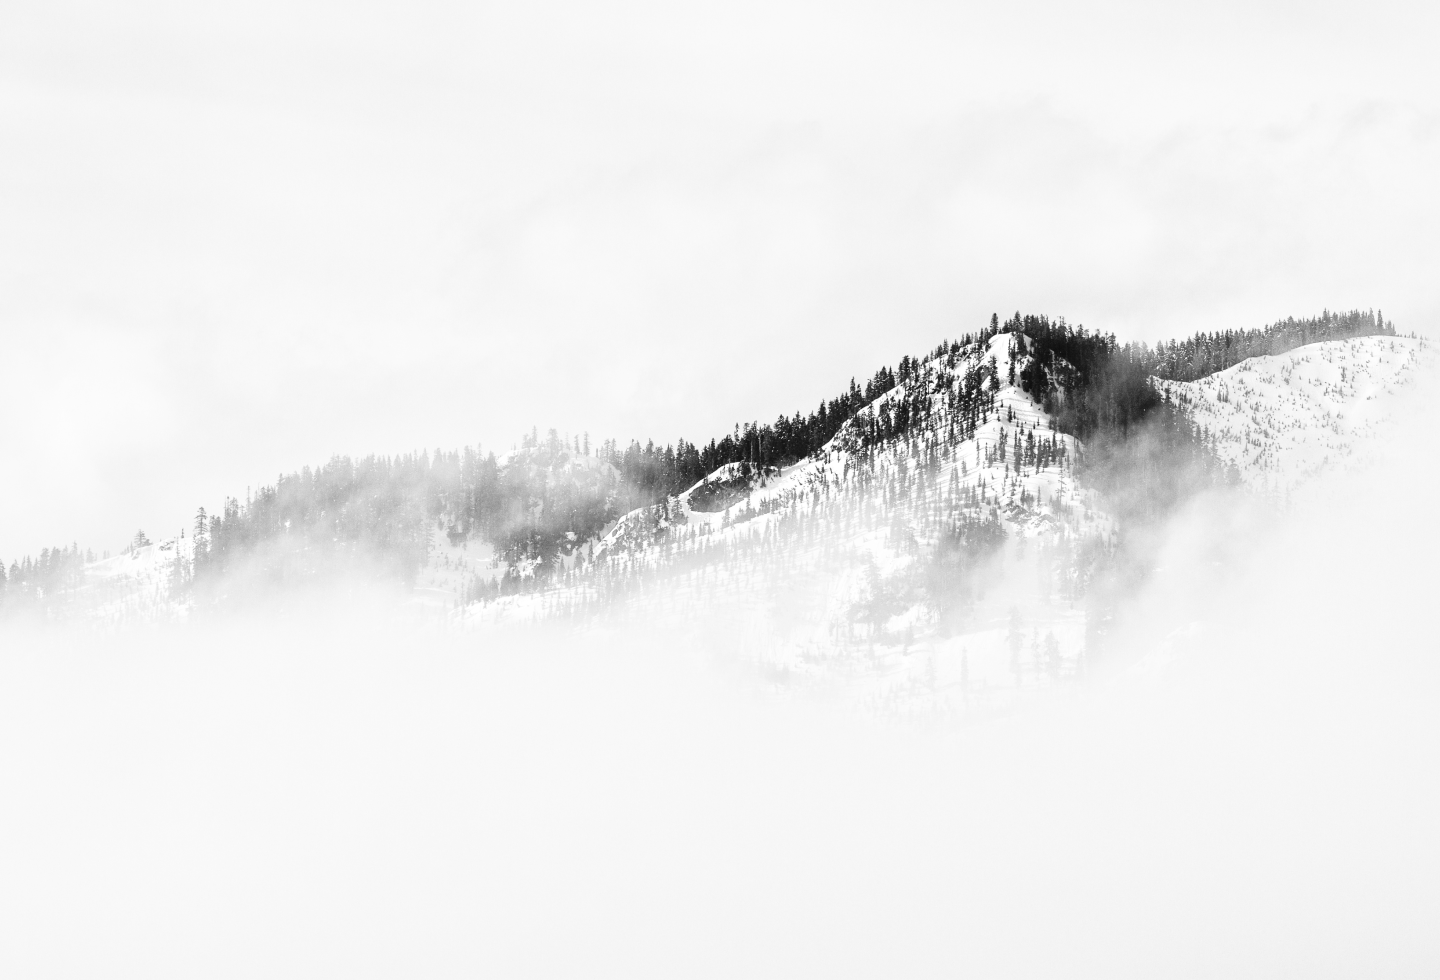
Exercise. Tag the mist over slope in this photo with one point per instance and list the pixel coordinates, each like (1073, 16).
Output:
(955, 532)
(958, 536)
(1096, 736)
(352, 798)
(863, 564)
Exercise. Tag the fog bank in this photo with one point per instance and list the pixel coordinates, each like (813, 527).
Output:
(1253, 794)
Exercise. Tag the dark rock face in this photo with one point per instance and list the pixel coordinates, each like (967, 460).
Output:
(716, 495)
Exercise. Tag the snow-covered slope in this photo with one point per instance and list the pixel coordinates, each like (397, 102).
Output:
(932, 555)
(831, 568)
(136, 585)
(973, 474)
(1282, 419)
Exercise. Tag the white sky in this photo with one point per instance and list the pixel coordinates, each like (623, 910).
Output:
(239, 241)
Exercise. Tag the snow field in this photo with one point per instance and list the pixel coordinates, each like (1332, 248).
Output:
(1282, 419)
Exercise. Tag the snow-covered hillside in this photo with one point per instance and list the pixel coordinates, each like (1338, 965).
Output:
(935, 554)
(831, 567)
(1282, 419)
(138, 585)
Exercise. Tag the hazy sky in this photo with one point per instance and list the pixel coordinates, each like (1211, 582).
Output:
(239, 240)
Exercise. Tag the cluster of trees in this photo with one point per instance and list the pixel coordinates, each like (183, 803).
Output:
(375, 508)
(1088, 381)
(1093, 383)
(952, 573)
(1027, 453)
(1142, 451)
(659, 471)
(1206, 353)
(55, 573)
(387, 510)
(967, 401)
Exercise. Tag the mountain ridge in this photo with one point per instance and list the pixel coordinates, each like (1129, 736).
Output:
(959, 455)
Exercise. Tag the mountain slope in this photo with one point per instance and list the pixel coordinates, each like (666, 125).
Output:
(944, 549)
(943, 562)
(1282, 419)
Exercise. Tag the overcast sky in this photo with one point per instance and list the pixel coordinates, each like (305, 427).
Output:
(239, 240)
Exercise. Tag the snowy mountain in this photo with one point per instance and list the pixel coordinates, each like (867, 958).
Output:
(949, 569)
(1282, 419)
(940, 540)
(943, 564)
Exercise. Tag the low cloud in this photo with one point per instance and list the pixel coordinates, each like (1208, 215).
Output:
(1251, 794)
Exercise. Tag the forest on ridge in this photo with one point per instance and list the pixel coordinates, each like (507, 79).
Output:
(553, 493)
